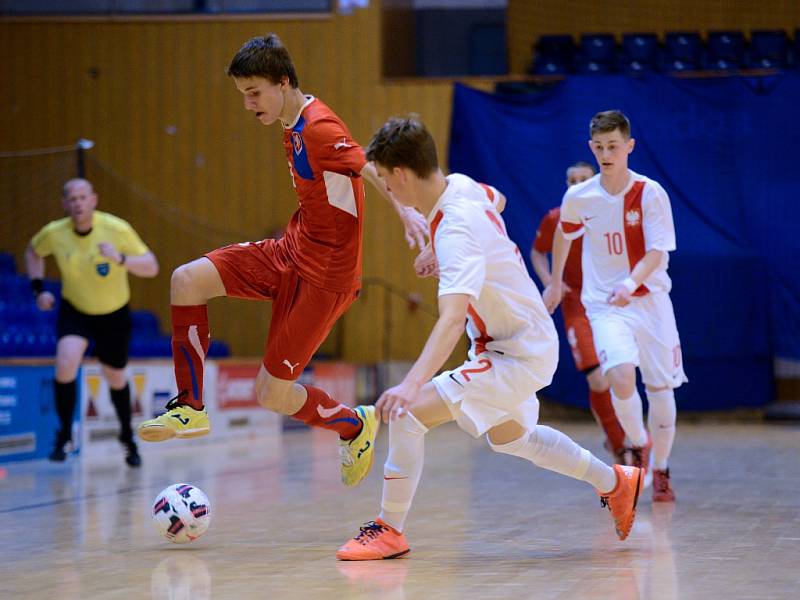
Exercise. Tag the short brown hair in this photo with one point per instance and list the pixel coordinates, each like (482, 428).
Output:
(582, 164)
(609, 120)
(264, 56)
(404, 142)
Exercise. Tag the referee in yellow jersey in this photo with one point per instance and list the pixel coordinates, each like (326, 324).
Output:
(94, 251)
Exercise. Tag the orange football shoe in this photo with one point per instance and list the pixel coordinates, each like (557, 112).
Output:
(621, 501)
(376, 541)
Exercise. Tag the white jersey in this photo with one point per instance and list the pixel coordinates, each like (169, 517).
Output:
(476, 257)
(618, 231)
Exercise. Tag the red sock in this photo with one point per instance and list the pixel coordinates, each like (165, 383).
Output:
(320, 410)
(603, 411)
(190, 340)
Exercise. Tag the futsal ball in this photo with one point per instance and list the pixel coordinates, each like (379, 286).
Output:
(182, 513)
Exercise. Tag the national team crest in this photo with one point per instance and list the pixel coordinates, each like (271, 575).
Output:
(632, 218)
(102, 269)
(297, 142)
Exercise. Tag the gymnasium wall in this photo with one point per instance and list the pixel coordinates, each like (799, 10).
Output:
(177, 155)
(527, 20)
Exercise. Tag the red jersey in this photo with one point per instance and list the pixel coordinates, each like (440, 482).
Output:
(573, 276)
(323, 237)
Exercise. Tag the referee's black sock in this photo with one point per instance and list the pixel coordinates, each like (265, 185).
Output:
(121, 399)
(65, 407)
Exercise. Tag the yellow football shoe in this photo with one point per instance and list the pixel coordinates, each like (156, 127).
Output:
(180, 420)
(357, 454)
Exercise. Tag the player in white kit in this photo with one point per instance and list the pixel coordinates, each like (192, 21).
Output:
(513, 353)
(626, 223)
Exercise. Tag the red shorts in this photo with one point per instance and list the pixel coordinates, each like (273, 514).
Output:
(579, 332)
(302, 313)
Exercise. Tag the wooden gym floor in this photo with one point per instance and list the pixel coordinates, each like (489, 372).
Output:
(483, 525)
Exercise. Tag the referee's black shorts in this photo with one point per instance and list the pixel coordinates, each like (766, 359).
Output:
(111, 333)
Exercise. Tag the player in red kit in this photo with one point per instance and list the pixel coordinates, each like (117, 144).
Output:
(312, 274)
(576, 323)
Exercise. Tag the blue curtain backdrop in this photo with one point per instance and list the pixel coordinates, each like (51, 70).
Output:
(726, 151)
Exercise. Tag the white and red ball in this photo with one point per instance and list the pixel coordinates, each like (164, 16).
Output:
(182, 513)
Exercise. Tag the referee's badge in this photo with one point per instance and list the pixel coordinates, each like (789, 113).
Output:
(103, 269)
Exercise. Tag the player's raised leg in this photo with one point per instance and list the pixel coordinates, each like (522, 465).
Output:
(357, 427)
(191, 287)
(618, 487)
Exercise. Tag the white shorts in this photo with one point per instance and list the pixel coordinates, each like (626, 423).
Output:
(494, 388)
(643, 334)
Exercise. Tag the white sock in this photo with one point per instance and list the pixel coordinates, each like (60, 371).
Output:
(629, 413)
(550, 449)
(661, 421)
(403, 468)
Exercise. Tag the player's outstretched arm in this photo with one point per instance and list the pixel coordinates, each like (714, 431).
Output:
(541, 266)
(443, 339)
(426, 265)
(415, 224)
(554, 292)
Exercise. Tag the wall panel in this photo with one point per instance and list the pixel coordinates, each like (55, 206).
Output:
(178, 157)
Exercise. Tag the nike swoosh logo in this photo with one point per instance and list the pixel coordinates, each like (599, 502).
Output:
(327, 413)
(456, 380)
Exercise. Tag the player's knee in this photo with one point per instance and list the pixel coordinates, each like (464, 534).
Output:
(67, 368)
(506, 437)
(66, 373)
(181, 280)
(623, 380)
(655, 390)
(597, 381)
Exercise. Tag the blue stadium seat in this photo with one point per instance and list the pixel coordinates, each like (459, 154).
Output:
(161, 346)
(13, 286)
(53, 286)
(768, 50)
(145, 323)
(7, 263)
(640, 52)
(44, 320)
(17, 313)
(682, 51)
(597, 53)
(683, 45)
(218, 349)
(554, 55)
(138, 348)
(725, 50)
(14, 342)
(598, 47)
